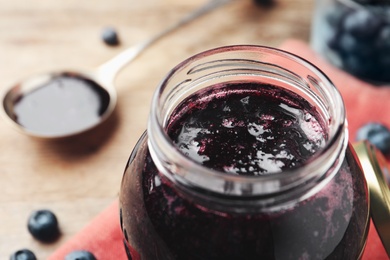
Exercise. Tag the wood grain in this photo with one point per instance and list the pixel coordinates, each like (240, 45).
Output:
(78, 177)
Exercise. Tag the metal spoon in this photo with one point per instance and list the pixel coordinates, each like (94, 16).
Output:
(82, 99)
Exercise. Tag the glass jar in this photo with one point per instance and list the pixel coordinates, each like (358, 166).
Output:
(175, 205)
(354, 35)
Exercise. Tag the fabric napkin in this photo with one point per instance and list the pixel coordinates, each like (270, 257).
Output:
(364, 103)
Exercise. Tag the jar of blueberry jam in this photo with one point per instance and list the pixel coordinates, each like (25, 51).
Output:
(354, 35)
(246, 156)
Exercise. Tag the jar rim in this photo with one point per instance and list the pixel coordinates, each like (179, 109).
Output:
(337, 139)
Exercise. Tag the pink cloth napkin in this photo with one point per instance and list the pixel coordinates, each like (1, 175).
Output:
(102, 236)
(364, 103)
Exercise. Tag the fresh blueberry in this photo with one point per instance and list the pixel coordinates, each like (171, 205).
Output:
(43, 225)
(80, 255)
(362, 24)
(23, 254)
(377, 134)
(333, 40)
(361, 38)
(110, 36)
(383, 39)
(348, 44)
(380, 11)
(384, 61)
(384, 65)
(360, 67)
(373, 69)
(335, 15)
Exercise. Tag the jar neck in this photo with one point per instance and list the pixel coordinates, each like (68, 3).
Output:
(252, 64)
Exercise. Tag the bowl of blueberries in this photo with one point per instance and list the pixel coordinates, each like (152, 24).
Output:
(354, 35)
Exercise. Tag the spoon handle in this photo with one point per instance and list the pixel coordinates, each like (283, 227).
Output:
(110, 69)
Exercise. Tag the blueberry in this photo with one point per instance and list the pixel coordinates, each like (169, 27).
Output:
(383, 39)
(80, 255)
(110, 36)
(384, 61)
(23, 254)
(348, 44)
(360, 67)
(333, 40)
(374, 69)
(353, 64)
(362, 24)
(377, 134)
(384, 65)
(43, 225)
(335, 15)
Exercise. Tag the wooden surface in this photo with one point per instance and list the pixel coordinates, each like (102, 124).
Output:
(80, 176)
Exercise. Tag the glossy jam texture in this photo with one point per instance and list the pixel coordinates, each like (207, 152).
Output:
(160, 221)
(247, 129)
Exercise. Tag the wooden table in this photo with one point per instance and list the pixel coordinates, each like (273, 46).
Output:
(78, 177)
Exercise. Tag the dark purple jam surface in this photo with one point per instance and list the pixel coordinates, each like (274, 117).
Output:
(218, 129)
(247, 129)
(65, 104)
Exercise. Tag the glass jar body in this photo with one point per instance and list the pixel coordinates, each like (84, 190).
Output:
(354, 36)
(261, 101)
(159, 222)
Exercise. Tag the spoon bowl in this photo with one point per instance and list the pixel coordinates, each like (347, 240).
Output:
(59, 104)
(65, 103)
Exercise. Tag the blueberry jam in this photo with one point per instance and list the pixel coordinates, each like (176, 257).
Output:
(243, 129)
